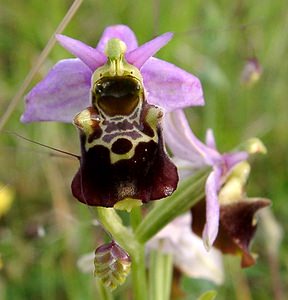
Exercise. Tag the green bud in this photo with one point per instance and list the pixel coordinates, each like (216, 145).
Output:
(112, 265)
(253, 146)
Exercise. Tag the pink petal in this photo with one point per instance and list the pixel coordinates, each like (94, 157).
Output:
(90, 56)
(176, 138)
(61, 94)
(121, 32)
(233, 158)
(212, 208)
(169, 86)
(210, 139)
(184, 144)
(140, 55)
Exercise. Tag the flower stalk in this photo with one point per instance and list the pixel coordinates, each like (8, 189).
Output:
(103, 292)
(138, 270)
(111, 221)
(160, 275)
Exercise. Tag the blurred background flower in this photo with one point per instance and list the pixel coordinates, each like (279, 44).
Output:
(6, 198)
(188, 252)
(251, 72)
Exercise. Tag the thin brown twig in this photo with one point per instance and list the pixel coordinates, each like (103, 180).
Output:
(15, 100)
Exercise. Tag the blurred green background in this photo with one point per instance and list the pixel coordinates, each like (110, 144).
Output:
(46, 231)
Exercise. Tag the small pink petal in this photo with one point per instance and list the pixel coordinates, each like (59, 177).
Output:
(140, 55)
(61, 94)
(121, 32)
(212, 208)
(233, 158)
(169, 86)
(210, 139)
(90, 56)
(184, 144)
(174, 129)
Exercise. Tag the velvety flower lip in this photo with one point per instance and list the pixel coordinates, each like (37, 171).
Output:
(186, 147)
(66, 88)
(238, 227)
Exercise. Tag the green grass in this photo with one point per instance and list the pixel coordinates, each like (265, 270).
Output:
(212, 40)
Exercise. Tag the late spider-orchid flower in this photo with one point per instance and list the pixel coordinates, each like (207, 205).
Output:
(190, 155)
(126, 91)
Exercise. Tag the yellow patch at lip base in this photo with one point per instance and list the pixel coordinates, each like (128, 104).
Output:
(128, 204)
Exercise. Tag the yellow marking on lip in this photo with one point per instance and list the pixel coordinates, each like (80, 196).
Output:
(116, 157)
(152, 118)
(83, 121)
(127, 204)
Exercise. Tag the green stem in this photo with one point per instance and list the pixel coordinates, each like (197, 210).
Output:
(167, 274)
(160, 275)
(139, 280)
(111, 221)
(188, 193)
(103, 292)
(135, 217)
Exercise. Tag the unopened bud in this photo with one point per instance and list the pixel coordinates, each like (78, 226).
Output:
(251, 72)
(255, 145)
(112, 265)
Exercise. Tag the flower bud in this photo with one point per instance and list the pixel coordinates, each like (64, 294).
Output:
(112, 265)
(251, 72)
(254, 146)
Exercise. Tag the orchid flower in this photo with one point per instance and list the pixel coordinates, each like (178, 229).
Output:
(195, 155)
(127, 92)
(65, 91)
(237, 215)
(190, 154)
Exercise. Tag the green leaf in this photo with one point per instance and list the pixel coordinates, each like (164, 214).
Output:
(187, 194)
